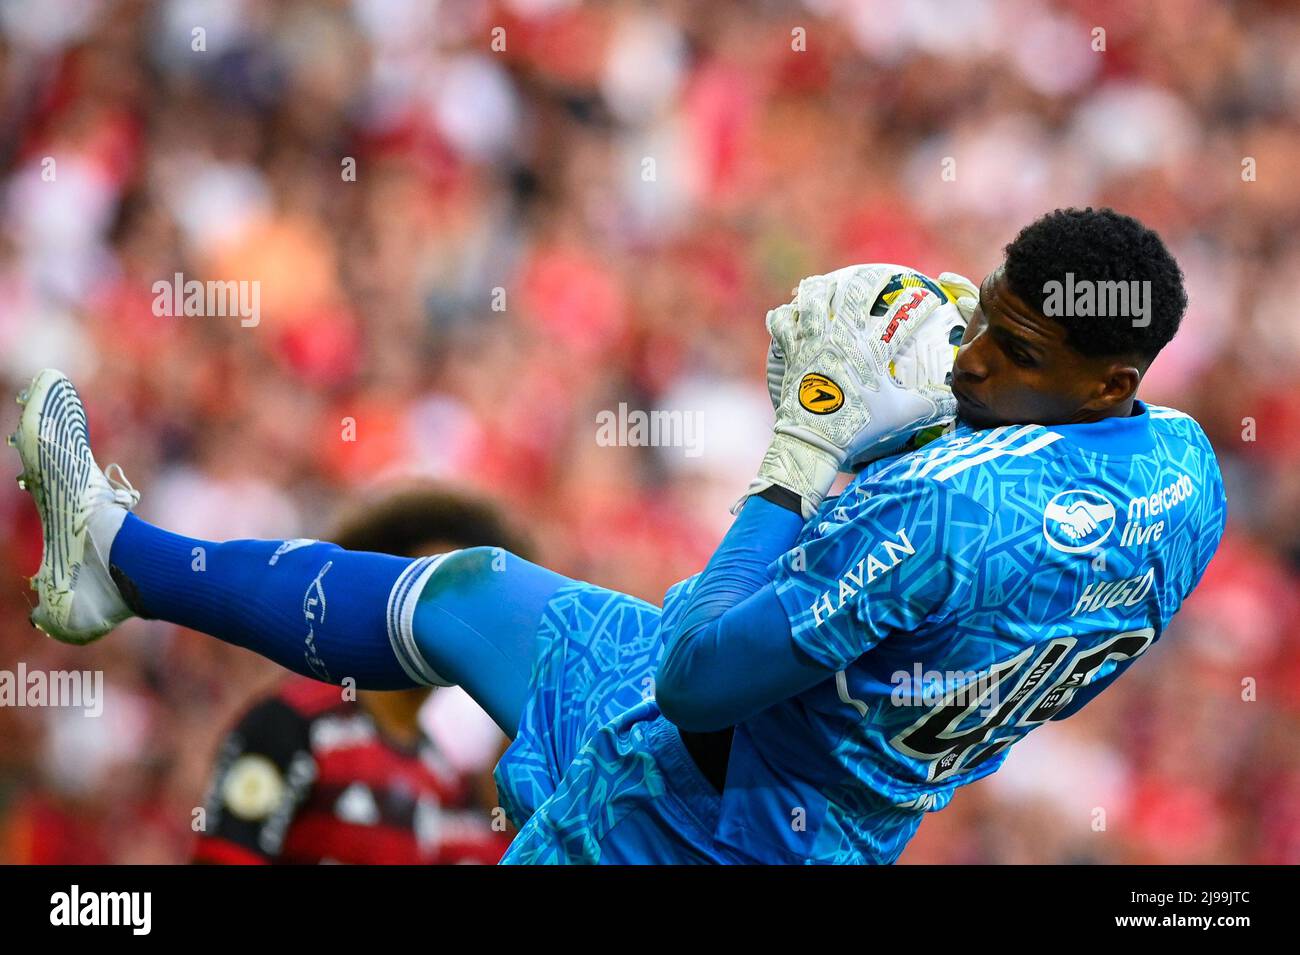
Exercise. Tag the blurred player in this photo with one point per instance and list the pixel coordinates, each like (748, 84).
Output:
(769, 712)
(308, 776)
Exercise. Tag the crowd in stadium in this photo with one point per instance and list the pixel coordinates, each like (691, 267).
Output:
(476, 226)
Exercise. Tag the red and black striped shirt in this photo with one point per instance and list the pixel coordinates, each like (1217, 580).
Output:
(306, 777)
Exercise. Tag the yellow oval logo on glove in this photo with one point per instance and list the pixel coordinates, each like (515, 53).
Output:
(819, 394)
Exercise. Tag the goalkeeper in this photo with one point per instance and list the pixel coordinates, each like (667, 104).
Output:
(759, 716)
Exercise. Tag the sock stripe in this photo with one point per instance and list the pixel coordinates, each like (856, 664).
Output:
(401, 620)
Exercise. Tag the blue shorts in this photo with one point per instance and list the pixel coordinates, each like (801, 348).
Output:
(595, 773)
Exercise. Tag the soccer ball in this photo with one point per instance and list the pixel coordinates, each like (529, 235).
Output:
(927, 357)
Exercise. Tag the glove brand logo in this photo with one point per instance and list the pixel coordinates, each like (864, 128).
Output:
(904, 312)
(819, 394)
(1075, 522)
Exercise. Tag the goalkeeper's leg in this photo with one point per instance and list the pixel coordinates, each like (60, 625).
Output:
(470, 617)
(383, 622)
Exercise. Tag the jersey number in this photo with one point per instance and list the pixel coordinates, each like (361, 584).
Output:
(934, 738)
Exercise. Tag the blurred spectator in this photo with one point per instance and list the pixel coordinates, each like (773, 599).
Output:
(317, 773)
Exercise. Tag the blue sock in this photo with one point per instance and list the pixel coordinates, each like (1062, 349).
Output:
(477, 622)
(312, 607)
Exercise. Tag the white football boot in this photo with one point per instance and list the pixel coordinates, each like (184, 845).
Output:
(81, 510)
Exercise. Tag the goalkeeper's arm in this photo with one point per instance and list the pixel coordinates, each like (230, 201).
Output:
(732, 654)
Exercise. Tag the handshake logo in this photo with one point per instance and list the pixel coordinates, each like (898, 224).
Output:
(1075, 522)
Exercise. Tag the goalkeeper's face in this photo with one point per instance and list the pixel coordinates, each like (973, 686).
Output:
(1014, 366)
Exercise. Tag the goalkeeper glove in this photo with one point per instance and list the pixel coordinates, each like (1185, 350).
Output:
(831, 381)
(957, 288)
(962, 291)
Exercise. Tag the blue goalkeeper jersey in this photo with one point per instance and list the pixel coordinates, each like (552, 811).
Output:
(965, 594)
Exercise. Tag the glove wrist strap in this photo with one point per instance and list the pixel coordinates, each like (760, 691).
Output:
(797, 466)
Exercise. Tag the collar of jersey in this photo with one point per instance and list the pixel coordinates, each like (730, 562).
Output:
(1131, 435)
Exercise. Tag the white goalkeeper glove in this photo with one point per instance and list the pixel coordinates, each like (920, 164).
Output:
(962, 291)
(959, 289)
(831, 376)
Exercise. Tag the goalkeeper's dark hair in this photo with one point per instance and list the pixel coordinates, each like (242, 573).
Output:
(1099, 245)
(403, 521)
